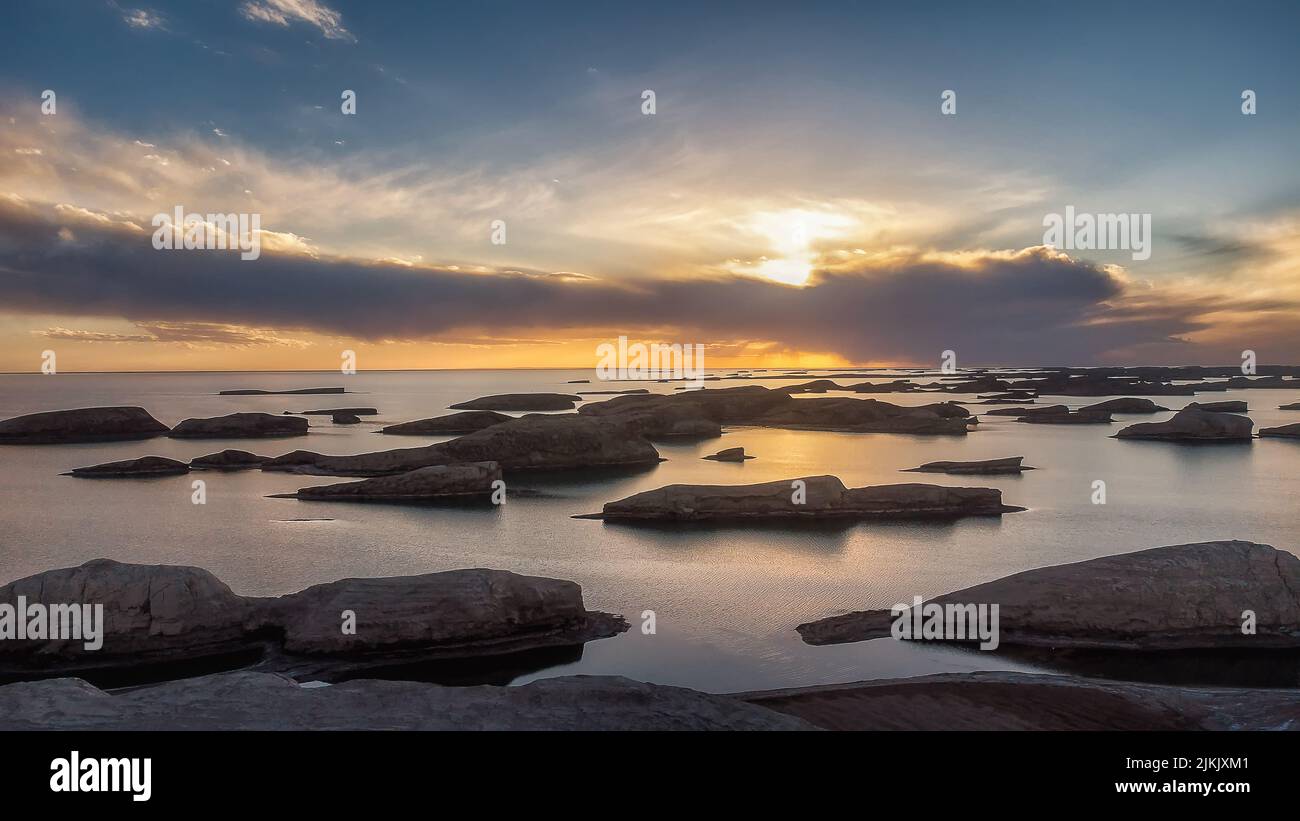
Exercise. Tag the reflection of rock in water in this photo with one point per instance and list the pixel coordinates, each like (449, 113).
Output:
(495, 670)
(1217, 668)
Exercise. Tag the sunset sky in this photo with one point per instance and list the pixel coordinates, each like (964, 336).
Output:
(797, 198)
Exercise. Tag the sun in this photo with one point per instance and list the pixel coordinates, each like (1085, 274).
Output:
(791, 235)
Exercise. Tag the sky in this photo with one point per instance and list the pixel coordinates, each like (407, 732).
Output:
(503, 197)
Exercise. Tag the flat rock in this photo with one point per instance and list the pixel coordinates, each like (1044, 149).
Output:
(295, 391)
(535, 442)
(143, 467)
(1076, 418)
(1292, 406)
(229, 460)
(240, 426)
(80, 425)
(452, 424)
(1010, 464)
(345, 419)
(1285, 431)
(1220, 407)
(826, 497)
(1188, 596)
(521, 402)
(1193, 425)
(265, 701)
(1129, 404)
(333, 411)
(1019, 411)
(435, 483)
(730, 455)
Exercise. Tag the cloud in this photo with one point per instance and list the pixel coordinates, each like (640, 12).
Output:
(1034, 305)
(282, 12)
(196, 335)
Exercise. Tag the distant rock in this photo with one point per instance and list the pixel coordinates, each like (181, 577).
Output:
(1019, 411)
(258, 392)
(534, 442)
(1011, 464)
(825, 497)
(614, 393)
(229, 460)
(450, 425)
(333, 411)
(345, 419)
(1076, 418)
(80, 425)
(1220, 407)
(430, 484)
(1291, 431)
(265, 701)
(815, 386)
(1179, 597)
(578, 382)
(1126, 405)
(897, 386)
(143, 467)
(730, 455)
(1193, 425)
(521, 402)
(240, 426)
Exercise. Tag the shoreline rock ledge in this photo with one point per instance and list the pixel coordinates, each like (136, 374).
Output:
(240, 426)
(825, 497)
(112, 424)
(1181, 597)
(1193, 425)
(986, 467)
(464, 481)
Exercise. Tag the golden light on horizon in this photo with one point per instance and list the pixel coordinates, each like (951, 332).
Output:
(792, 236)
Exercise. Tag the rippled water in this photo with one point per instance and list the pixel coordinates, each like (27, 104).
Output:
(726, 599)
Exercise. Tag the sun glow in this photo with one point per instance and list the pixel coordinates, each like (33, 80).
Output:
(793, 236)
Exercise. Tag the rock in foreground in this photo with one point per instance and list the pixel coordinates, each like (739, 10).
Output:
(823, 497)
(1193, 425)
(80, 425)
(240, 426)
(264, 701)
(159, 617)
(432, 484)
(1188, 596)
(143, 467)
(1285, 431)
(1011, 464)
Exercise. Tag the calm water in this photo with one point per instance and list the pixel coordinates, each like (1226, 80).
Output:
(726, 600)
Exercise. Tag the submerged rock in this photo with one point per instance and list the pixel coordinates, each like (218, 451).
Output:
(1291, 431)
(1193, 425)
(820, 497)
(229, 460)
(730, 455)
(521, 402)
(240, 426)
(534, 442)
(1126, 405)
(345, 419)
(80, 425)
(1183, 596)
(1010, 464)
(435, 483)
(143, 467)
(449, 425)
(265, 701)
